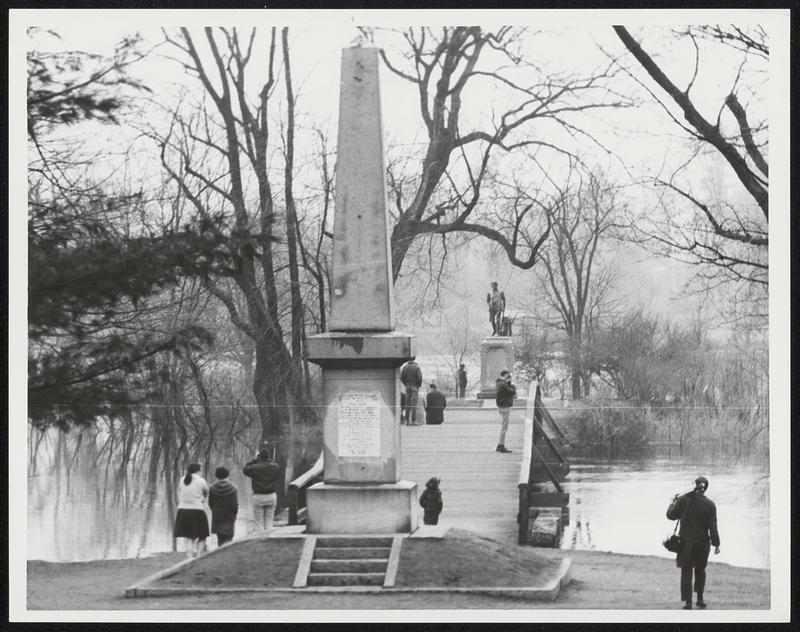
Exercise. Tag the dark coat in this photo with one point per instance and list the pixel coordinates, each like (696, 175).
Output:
(698, 530)
(462, 377)
(435, 403)
(411, 374)
(431, 503)
(505, 393)
(223, 500)
(264, 475)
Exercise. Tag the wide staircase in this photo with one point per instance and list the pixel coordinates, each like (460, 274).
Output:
(349, 561)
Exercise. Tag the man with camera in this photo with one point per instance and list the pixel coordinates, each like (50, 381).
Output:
(698, 531)
(265, 474)
(505, 392)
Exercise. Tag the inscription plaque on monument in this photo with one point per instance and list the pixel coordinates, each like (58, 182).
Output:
(360, 425)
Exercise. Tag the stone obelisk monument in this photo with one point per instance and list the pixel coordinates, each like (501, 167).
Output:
(360, 355)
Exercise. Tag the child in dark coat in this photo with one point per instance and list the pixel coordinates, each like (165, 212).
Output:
(223, 500)
(431, 502)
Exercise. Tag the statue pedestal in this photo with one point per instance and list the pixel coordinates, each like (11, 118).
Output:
(497, 353)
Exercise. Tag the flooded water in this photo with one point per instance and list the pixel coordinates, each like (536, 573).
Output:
(83, 505)
(620, 505)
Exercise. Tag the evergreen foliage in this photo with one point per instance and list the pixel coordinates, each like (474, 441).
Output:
(72, 86)
(92, 278)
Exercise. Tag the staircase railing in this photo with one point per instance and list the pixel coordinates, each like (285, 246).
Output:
(296, 495)
(533, 433)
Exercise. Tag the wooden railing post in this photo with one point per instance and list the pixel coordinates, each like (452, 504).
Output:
(523, 517)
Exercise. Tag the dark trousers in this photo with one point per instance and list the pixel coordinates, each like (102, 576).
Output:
(696, 563)
(223, 539)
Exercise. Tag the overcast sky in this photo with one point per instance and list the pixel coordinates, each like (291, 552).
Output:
(643, 139)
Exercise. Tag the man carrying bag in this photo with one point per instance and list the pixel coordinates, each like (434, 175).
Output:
(698, 531)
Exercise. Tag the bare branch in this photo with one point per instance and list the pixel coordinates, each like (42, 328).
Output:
(708, 132)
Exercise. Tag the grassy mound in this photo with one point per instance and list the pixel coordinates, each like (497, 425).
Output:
(463, 559)
(460, 559)
(268, 563)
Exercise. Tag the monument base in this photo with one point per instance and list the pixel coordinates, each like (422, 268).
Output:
(378, 508)
(497, 354)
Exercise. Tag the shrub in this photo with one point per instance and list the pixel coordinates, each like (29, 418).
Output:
(611, 429)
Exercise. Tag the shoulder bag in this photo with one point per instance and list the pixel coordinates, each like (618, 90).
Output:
(674, 543)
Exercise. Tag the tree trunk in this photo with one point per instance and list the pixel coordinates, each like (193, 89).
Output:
(265, 390)
(298, 324)
(577, 384)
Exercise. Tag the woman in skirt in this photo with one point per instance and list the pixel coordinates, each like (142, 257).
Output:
(191, 521)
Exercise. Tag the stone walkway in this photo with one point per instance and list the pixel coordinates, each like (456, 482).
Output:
(479, 485)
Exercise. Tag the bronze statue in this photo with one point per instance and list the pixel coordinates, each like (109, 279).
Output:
(496, 301)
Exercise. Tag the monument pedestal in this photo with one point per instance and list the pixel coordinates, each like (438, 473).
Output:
(361, 491)
(370, 508)
(497, 353)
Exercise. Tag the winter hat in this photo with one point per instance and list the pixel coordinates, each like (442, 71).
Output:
(432, 483)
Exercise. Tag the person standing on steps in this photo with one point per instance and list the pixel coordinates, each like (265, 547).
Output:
(698, 531)
(505, 392)
(411, 378)
(191, 521)
(264, 476)
(461, 382)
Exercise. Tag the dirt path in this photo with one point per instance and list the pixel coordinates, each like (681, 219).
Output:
(599, 581)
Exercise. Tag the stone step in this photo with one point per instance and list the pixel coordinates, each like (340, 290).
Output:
(345, 579)
(353, 541)
(351, 552)
(349, 566)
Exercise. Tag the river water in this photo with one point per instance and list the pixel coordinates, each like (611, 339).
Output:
(620, 505)
(82, 505)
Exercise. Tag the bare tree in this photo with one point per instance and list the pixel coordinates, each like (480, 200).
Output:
(577, 283)
(459, 339)
(445, 193)
(213, 153)
(730, 236)
(315, 246)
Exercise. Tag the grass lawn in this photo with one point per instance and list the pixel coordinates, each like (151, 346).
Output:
(599, 580)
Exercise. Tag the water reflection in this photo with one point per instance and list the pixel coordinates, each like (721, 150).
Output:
(91, 499)
(620, 506)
